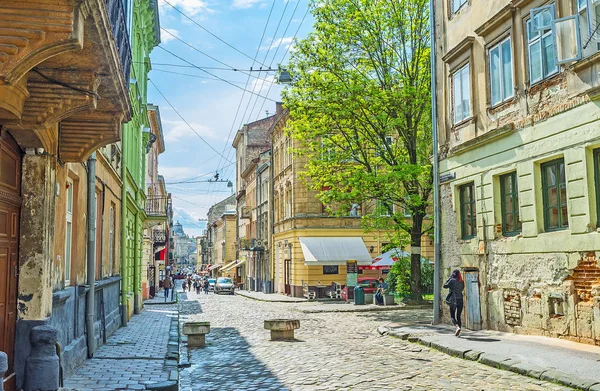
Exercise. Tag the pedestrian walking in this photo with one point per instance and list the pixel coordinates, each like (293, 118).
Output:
(189, 284)
(206, 285)
(184, 285)
(167, 286)
(381, 287)
(456, 286)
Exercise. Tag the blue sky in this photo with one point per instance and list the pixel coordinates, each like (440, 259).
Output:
(210, 105)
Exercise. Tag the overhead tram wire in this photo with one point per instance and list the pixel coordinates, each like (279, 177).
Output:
(208, 31)
(183, 119)
(212, 74)
(285, 54)
(247, 81)
(202, 77)
(287, 3)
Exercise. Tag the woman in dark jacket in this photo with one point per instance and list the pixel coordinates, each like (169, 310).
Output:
(456, 286)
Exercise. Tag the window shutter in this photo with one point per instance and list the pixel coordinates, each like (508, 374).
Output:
(567, 40)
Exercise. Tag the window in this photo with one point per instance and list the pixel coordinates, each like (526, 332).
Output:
(509, 202)
(588, 22)
(326, 150)
(462, 94)
(467, 211)
(597, 175)
(383, 208)
(501, 72)
(330, 269)
(554, 193)
(68, 232)
(456, 4)
(288, 203)
(540, 44)
(111, 239)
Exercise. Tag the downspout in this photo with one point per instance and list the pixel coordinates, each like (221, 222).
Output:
(437, 232)
(91, 253)
(123, 255)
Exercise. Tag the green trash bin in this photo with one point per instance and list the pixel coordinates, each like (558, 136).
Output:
(359, 295)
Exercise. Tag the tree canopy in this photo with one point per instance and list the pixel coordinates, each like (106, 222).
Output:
(359, 107)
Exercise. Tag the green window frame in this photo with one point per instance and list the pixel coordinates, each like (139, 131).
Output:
(509, 204)
(554, 195)
(597, 183)
(468, 213)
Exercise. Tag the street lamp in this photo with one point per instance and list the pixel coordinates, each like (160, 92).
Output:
(285, 77)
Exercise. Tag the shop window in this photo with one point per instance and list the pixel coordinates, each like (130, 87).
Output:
(509, 193)
(331, 269)
(554, 194)
(467, 211)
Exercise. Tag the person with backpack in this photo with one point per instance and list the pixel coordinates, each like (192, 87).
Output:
(167, 286)
(456, 285)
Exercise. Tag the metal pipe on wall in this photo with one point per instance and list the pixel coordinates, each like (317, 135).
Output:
(437, 232)
(91, 253)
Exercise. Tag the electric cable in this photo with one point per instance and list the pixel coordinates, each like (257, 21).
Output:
(203, 77)
(212, 74)
(205, 29)
(183, 119)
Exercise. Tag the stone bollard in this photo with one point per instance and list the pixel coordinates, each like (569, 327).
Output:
(42, 368)
(3, 368)
(282, 329)
(196, 332)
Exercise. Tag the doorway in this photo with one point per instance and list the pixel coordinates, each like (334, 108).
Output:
(473, 308)
(287, 273)
(10, 209)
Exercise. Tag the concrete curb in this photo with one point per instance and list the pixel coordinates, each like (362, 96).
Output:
(503, 362)
(171, 363)
(353, 308)
(270, 301)
(159, 303)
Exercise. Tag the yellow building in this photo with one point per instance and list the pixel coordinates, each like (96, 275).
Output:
(517, 104)
(310, 247)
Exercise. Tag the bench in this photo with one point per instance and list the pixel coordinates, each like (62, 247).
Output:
(388, 299)
(309, 294)
(282, 329)
(196, 332)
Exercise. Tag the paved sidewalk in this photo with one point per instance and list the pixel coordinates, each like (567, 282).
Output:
(270, 297)
(551, 359)
(159, 298)
(135, 356)
(340, 306)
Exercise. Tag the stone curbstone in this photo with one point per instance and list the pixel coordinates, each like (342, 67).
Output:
(527, 369)
(472, 355)
(568, 380)
(492, 360)
(163, 386)
(594, 387)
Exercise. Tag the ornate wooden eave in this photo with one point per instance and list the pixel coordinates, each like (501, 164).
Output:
(58, 60)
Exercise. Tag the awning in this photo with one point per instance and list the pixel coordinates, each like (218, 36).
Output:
(228, 266)
(334, 251)
(213, 267)
(237, 263)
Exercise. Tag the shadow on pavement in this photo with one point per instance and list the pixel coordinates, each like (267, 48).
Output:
(226, 363)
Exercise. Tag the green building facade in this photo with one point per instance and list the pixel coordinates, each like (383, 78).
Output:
(145, 35)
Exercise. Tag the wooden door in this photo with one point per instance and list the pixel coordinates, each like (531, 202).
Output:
(473, 309)
(10, 208)
(287, 273)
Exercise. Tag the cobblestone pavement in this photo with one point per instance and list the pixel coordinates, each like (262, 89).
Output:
(333, 351)
(132, 357)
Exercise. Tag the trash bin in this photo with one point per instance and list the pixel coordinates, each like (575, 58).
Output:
(359, 295)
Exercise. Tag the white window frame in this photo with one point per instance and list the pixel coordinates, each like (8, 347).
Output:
(68, 232)
(503, 94)
(539, 37)
(463, 71)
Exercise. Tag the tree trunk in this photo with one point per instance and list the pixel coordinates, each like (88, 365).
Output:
(415, 257)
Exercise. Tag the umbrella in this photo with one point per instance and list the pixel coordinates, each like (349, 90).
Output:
(387, 259)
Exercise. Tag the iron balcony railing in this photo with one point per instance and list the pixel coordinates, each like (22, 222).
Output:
(159, 238)
(156, 207)
(118, 21)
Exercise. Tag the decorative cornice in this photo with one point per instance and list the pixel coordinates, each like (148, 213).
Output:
(462, 46)
(501, 16)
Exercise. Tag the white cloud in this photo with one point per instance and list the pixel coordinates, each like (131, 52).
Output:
(245, 3)
(284, 41)
(166, 37)
(189, 7)
(179, 130)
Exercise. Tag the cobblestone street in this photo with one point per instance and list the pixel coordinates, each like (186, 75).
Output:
(333, 351)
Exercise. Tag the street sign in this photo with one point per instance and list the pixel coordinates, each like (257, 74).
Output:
(447, 177)
(351, 273)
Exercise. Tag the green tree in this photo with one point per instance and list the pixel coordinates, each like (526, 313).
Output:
(360, 107)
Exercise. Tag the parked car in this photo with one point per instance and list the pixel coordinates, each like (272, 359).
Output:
(224, 285)
(369, 284)
(211, 284)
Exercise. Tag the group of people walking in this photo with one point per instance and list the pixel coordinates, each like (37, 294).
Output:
(198, 284)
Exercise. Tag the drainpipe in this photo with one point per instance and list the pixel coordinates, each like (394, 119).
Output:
(91, 253)
(437, 232)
